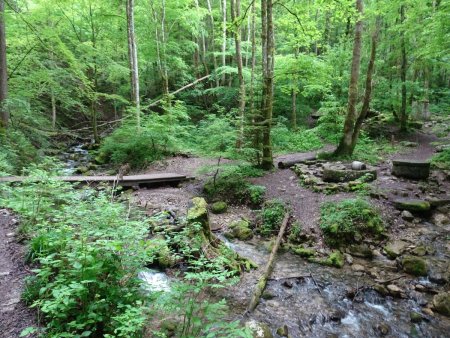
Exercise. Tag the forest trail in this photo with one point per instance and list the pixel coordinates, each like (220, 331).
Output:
(15, 316)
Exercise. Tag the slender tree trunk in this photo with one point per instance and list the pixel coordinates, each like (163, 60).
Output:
(93, 108)
(368, 93)
(160, 41)
(202, 44)
(133, 60)
(294, 109)
(4, 114)
(235, 6)
(53, 101)
(345, 144)
(403, 115)
(208, 2)
(255, 116)
(224, 37)
(268, 50)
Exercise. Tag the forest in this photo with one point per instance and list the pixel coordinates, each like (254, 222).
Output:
(224, 168)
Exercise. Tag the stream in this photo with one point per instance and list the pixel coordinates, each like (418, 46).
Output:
(322, 302)
(75, 157)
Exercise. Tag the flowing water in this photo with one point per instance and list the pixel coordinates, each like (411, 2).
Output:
(315, 301)
(75, 157)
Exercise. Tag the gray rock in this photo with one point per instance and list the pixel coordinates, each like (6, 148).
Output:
(440, 219)
(395, 248)
(441, 303)
(394, 290)
(407, 216)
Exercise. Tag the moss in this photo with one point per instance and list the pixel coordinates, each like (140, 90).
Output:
(441, 303)
(240, 230)
(219, 207)
(336, 259)
(349, 221)
(412, 205)
(162, 253)
(304, 252)
(414, 265)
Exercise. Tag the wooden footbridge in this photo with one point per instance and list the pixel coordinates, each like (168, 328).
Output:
(125, 181)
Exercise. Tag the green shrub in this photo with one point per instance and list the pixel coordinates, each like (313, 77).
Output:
(442, 159)
(349, 221)
(139, 148)
(231, 185)
(271, 216)
(295, 232)
(285, 140)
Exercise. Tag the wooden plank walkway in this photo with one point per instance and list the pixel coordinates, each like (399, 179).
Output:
(126, 181)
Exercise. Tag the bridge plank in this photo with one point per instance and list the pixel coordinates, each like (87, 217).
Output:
(125, 181)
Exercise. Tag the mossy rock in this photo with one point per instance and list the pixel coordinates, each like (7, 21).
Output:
(304, 252)
(441, 303)
(412, 205)
(415, 266)
(360, 250)
(335, 259)
(162, 252)
(258, 329)
(82, 170)
(240, 230)
(219, 207)
(395, 249)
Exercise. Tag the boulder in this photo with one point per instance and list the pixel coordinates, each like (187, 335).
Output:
(414, 205)
(411, 169)
(440, 219)
(395, 249)
(258, 329)
(407, 216)
(360, 250)
(415, 266)
(219, 207)
(240, 230)
(441, 303)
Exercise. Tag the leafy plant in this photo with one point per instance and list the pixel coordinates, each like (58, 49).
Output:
(349, 221)
(272, 215)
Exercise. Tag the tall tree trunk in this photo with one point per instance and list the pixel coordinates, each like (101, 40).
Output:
(255, 116)
(211, 17)
(53, 101)
(294, 109)
(160, 39)
(94, 73)
(345, 144)
(403, 115)
(368, 92)
(4, 118)
(268, 50)
(224, 37)
(133, 60)
(202, 44)
(235, 6)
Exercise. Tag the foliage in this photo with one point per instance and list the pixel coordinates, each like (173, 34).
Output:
(231, 185)
(285, 140)
(88, 252)
(349, 221)
(187, 304)
(157, 137)
(442, 159)
(295, 232)
(272, 215)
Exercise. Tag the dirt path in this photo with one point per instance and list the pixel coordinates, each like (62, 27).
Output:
(14, 314)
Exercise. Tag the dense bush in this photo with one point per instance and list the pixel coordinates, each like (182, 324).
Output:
(272, 215)
(231, 185)
(442, 159)
(349, 221)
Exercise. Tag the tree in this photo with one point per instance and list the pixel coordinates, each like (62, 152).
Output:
(3, 68)
(268, 62)
(235, 17)
(403, 115)
(345, 145)
(133, 60)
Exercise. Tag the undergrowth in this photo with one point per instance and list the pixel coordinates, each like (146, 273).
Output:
(349, 221)
(88, 250)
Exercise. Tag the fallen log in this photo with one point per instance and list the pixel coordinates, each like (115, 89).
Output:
(269, 267)
(291, 162)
